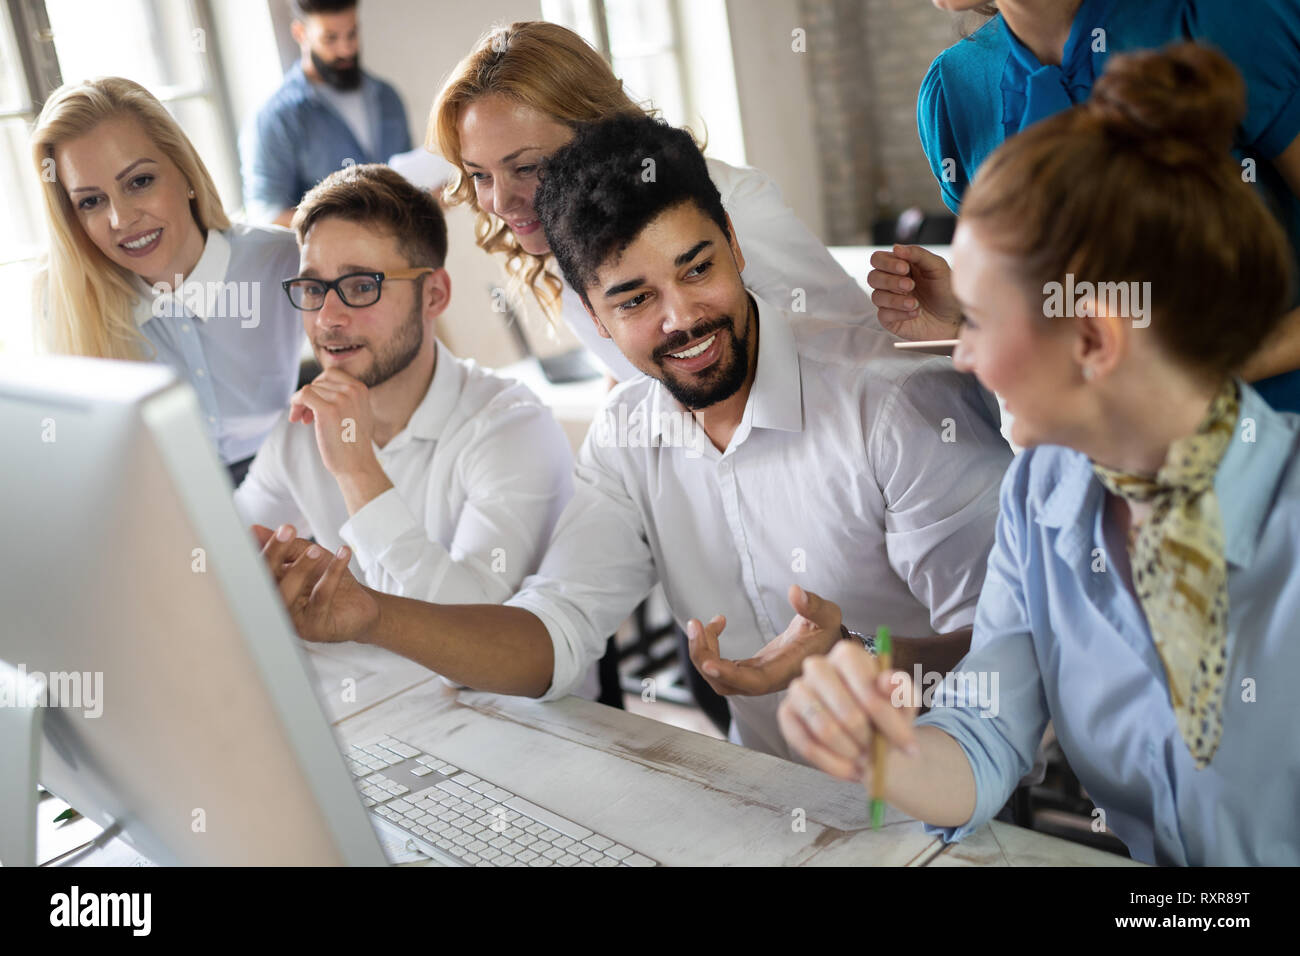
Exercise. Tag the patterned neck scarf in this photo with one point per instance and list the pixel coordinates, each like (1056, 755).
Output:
(1180, 573)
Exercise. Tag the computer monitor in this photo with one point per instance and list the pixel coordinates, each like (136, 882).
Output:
(191, 721)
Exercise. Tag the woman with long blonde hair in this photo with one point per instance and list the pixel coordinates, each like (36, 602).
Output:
(142, 262)
(517, 97)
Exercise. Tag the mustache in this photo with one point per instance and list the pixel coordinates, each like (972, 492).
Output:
(678, 340)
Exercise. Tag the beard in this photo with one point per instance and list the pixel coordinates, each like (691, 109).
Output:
(399, 352)
(344, 80)
(717, 383)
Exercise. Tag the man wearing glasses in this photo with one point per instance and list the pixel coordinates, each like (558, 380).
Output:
(443, 479)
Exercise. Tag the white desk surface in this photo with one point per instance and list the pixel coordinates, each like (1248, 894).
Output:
(681, 797)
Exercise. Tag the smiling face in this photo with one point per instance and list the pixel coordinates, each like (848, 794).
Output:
(502, 144)
(674, 304)
(375, 342)
(1026, 359)
(131, 200)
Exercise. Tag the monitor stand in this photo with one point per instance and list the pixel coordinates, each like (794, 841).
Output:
(22, 697)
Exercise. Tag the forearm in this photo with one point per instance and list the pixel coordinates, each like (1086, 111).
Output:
(940, 653)
(505, 650)
(936, 785)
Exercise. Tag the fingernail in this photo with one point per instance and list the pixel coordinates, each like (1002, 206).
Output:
(911, 303)
(907, 283)
(313, 552)
(342, 553)
(284, 533)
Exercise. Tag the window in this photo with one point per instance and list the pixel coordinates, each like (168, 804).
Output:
(673, 54)
(165, 45)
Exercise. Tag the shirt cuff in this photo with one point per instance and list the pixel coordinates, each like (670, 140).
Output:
(568, 665)
(944, 720)
(380, 522)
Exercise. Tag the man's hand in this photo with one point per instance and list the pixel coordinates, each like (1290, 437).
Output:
(912, 292)
(324, 600)
(814, 630)
(834, 711)
(339, 406)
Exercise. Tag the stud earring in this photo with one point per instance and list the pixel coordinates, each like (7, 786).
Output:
(192, 193)
(1087, 373)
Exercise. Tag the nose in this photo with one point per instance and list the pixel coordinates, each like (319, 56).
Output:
(680, 313)
(509, 199)
(333, 313)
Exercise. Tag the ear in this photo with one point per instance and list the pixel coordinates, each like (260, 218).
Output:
(1101, 340)
(436, 289)
(600, 328)
(298, 30)
(735, 245)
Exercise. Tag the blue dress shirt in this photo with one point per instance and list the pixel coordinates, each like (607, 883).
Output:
(298, 138)
(989, 86)
(231, 332)
(1059, 625)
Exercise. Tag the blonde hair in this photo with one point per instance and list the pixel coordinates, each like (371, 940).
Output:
(84, 300)
(552, 70)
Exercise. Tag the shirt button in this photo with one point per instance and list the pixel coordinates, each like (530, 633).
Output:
(185, 326)
(199, 372)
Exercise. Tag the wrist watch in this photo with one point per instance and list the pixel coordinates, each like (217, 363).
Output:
(868, 642)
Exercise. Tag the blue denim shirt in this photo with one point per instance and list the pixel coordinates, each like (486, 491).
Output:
(1059, 626)
(298, 138)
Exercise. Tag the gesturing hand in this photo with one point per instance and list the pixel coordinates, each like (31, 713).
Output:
(324, 600)
(912, 292)
(814, 630)
(339, 406)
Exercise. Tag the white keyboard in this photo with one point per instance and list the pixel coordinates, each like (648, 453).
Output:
(458, 818)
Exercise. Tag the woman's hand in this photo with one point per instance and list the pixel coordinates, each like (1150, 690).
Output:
(912, 292)
(841, 702)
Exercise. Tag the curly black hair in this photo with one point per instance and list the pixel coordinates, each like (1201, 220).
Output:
(609, 182)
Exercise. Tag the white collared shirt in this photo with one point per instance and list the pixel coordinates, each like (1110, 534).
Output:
(862, 474)
(231, 332)
(785, 264)
(480, 474)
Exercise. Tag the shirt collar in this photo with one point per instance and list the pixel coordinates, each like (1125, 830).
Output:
(1245, 483)
(776, 397)
(194, 295)
(430, 416)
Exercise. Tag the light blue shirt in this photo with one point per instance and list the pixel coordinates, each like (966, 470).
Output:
(1068, 641)
(231, 332)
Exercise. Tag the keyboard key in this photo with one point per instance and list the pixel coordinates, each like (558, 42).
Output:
(567, 827)
(465, 779)
(598, 842)
(448, 770)
(618, 851)
(567, 860)
(457, 851)
(554, 853)
(454, 788)
(550, 836)
(535, 828)
(463, 839)
(401, 806)
(526, 839)
(422, 771)
(541, 861)
(606, 861)
(428, 820)
(526, 856)
(476, 829)
(405, 750)
(415, 813)
(420, 831)
(480, 786)
(513, 833)
(591, 856)
(407, 824)
(563, 842)
(489, 853)
(485, 802)
(499, 795)
(400, 790)
(432, 762)
(636, 859)
(475, 846)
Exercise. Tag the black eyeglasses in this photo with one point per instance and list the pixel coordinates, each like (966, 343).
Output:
(355, 290)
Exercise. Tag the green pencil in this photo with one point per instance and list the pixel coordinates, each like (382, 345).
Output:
(879, 746)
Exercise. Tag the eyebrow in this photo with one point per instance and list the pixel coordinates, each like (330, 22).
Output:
(117, 178)
(504, 159)
(680, 261)
(346, 269)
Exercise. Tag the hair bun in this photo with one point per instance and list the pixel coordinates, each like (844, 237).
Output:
(1180, 105)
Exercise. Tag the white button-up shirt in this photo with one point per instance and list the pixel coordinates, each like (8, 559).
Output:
(480, 474)
(231, 332)
(785, 264)
(860, 473)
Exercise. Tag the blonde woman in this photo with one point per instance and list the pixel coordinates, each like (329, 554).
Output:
(143, 264)
(517, 97)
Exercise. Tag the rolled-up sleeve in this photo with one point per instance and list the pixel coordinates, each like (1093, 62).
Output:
(268, 157)
(999, 732)
(598, 568)
(939, 459)
(518, 473)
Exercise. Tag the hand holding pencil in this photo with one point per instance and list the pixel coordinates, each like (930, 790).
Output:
(843, 707)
